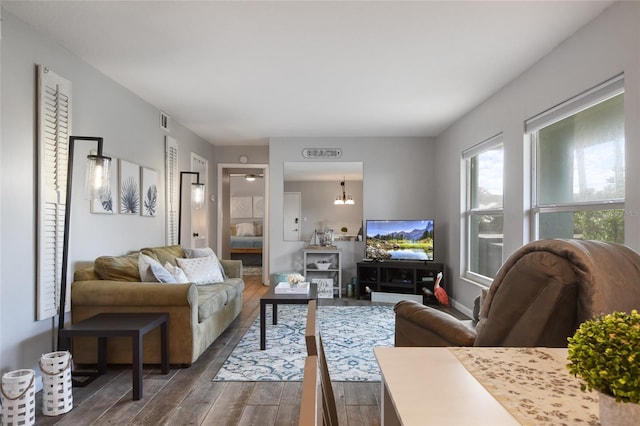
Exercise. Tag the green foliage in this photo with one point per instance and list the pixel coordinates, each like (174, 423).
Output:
(605, 353)
(603, 225)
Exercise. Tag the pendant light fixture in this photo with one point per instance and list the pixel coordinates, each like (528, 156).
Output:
(344, 199)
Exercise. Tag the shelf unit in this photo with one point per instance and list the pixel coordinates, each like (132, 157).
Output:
(334, 256)
(398, 277)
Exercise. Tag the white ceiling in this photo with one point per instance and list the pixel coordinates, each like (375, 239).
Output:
(239, 72)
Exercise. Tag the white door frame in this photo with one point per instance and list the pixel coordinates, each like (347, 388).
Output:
(265, 220)
(196, 159)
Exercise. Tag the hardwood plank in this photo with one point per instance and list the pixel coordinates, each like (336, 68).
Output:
(291, 393)
(363, 415)
(361, 393)
(195, 407)
(341, 409)
(101, 401)
(289, 407)
(266, 393)
(264, 415)
(229, 406)
(126, 408)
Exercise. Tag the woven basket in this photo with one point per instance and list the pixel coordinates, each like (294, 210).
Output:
(18, 398)
(57, 397)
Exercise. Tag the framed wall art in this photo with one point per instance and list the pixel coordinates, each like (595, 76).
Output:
(149, 194)
(241, 207)
(129, 185)
(258, 207)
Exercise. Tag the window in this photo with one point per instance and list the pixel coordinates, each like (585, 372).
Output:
(484, 209)
(579, 174)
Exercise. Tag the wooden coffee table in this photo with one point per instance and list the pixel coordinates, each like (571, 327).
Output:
(134, 325)
(271, 298)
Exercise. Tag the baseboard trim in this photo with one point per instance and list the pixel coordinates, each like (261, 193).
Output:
(460, 307)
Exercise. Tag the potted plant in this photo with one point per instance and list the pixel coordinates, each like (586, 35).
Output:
(605, 353)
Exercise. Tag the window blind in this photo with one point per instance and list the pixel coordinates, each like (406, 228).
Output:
(172, 178)
(597, 94)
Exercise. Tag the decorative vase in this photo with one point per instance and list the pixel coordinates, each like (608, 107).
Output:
(614, 413)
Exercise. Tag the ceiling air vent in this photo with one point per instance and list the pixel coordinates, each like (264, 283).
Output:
(164, 121)
(322, 153)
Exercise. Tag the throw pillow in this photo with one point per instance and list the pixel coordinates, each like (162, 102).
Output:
(257, 226)
(117, 268)
(144, 268)
(177, 273)
(192, 253)
(202, 270)
(245, 230)
(161, 274)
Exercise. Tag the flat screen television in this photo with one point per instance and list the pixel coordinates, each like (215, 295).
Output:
(399, 239)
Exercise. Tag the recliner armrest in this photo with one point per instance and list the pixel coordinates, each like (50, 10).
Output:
(419, 325)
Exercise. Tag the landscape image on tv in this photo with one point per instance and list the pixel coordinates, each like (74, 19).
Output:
(399, 239)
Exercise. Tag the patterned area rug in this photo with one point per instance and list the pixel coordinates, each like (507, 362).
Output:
(349, 334)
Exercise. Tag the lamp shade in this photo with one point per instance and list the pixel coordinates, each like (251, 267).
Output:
(98, 176)
(197, 195)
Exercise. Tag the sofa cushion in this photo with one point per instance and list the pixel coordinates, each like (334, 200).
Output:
(211, 298)
(233, 287)
(118, 268)
(202, 270)
(164, 254)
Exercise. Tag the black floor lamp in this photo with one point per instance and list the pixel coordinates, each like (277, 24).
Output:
(96, 184)
(197, 198)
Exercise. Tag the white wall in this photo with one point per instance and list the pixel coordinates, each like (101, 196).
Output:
(101, 107)
(399, 182)
(604, 48)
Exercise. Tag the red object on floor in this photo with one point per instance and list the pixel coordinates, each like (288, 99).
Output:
(439, 292)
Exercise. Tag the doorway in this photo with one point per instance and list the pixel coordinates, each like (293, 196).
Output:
(243, 215)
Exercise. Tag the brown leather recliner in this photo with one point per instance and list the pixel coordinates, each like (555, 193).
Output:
(538, 298)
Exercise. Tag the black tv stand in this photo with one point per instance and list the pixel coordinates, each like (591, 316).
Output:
(398, 276)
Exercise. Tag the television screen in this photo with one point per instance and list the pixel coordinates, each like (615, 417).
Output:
(399, 239)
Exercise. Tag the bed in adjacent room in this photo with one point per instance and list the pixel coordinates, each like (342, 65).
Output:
(246, 238)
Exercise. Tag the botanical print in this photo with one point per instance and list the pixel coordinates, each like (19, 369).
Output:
(129, 188)
(149, 192)
(106, 203)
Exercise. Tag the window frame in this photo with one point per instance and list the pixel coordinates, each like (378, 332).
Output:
(570, 107)
(470, 212)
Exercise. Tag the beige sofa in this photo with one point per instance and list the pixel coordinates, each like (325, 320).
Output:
(198, 314)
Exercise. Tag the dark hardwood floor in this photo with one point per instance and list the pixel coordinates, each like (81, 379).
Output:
(188, 396)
